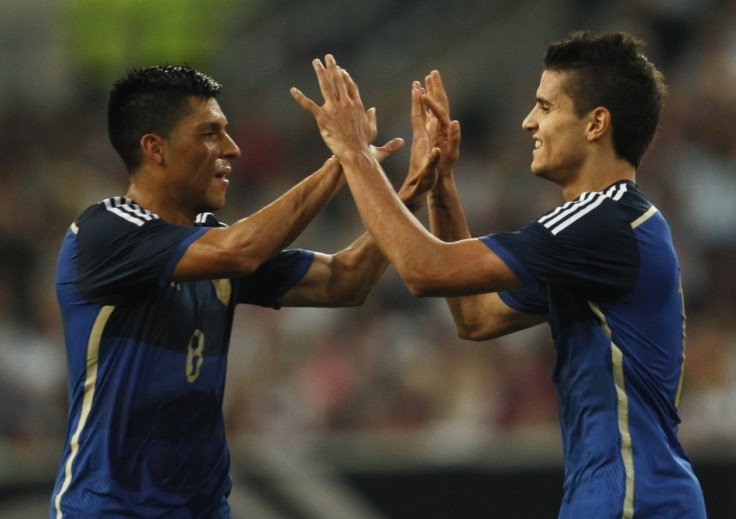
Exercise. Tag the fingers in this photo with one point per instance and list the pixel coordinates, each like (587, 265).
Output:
(338, 78)
(306, 103)
(371, 115)
(455, 134)
(437, 109)
(388, 149)
(436, 89)
(418, 112)
(323, 79)
(351, 89)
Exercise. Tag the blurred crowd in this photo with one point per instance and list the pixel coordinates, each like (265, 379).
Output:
(395, 363)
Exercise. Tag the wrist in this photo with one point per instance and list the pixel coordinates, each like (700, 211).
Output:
(355, 155)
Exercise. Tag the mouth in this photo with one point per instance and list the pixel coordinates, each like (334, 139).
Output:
(537, 144)
(222, 175)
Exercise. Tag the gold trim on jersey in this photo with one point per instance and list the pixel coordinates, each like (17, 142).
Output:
(90, 383)
(644, 217)
(627, 451)
(684, 346)
(224, 290)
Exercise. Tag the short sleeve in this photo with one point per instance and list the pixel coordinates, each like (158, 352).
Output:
(526, 300)
(596, 256)
(120, 258)
(274, 278)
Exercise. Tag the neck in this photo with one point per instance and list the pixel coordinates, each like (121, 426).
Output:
(148, 196)
(597, 177)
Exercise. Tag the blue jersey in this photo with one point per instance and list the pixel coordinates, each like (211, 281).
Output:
(146, 365)
(603, 270)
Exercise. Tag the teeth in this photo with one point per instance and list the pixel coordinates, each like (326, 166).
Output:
(537, 144)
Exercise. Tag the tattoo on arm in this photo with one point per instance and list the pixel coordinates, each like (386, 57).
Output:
(437, 201)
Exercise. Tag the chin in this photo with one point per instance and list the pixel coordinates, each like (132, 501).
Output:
(541, 173)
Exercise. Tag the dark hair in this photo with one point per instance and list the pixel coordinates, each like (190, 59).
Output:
(610, 71)
(152, 100)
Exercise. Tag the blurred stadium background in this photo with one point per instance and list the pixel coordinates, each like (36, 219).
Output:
(376, 412)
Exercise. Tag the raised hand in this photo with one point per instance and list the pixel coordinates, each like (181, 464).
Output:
(424, 158)
(444, 132)
(345, 125)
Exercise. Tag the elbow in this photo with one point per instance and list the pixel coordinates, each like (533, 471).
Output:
(418, 286)
(423, 284)
(474, 334)
(353, 299)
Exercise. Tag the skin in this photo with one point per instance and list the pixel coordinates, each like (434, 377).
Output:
(574, 151)
(187, 173)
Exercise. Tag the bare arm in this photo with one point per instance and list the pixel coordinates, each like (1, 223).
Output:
(241, 248)
(427, 265)
(476, 317)
(346, 278)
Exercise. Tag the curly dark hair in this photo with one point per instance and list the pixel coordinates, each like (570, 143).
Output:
(610, 71)
(152, 100)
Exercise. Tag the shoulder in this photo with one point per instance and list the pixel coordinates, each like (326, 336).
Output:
(116, 209)
(598, 215)
(596, 208)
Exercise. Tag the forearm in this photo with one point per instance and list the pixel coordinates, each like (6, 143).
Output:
(398, 234)
(357, 268)
(276, 225)
(486, 316)
(446, 217)
(245, 245)
(472, 314)
(341, 279)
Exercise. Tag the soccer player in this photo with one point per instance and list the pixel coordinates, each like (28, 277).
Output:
(601, 269)
(147, 284)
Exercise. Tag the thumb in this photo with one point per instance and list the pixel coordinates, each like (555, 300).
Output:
(389, 148)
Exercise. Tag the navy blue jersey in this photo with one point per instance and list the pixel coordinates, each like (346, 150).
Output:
(146, 364)
(603, 270)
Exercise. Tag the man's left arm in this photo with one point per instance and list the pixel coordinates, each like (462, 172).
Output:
(347, 277)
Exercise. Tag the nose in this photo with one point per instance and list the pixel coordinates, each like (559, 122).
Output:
(230, 149)
(528, 123)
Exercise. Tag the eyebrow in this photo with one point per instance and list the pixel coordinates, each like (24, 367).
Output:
(211, 125)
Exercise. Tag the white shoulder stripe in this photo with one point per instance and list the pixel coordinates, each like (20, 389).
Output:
(202, 219)
(128, 210)
(579, 214)
(566, 210)
(569, 213)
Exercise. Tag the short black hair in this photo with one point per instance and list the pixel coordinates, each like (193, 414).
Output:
(152, 100)
(610, 71)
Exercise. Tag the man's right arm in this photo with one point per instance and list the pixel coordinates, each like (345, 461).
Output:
(241, 248)
(476, 317)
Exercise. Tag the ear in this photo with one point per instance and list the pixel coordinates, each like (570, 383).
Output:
(599, 123)
(152, 148)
